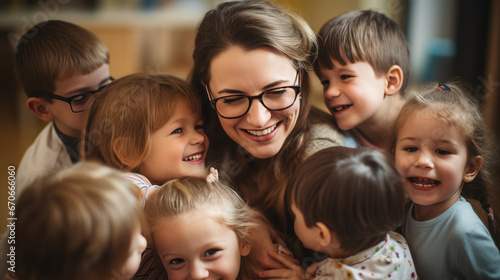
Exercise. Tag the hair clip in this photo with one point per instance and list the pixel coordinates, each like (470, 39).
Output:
(443, 87)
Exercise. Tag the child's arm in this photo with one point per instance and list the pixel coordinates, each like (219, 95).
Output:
(292, 270)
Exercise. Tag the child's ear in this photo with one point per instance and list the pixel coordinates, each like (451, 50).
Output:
(245, 249)
(324, 234)
(473, 168)
(120, 153)
(39, 107)
(394, 80)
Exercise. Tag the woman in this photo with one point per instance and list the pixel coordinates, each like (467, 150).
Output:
(256, 50)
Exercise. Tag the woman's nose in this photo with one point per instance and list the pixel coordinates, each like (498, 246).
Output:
(258, 115)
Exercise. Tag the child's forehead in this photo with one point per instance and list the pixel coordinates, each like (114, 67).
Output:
(344, 65)
(75, 80)
(193, 216)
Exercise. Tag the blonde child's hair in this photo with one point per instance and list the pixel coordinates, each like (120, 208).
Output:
(77, 224)
(457, 107)
(364, 36)
(124, 115)
(182, 195)
(54, 50)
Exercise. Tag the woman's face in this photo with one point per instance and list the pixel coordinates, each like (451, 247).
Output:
(260, 132)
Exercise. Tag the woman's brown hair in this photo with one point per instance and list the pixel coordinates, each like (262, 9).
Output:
(252, 25)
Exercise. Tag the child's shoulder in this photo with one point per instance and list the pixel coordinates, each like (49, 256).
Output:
(45, 155)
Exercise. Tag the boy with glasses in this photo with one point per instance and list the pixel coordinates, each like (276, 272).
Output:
(60, 66)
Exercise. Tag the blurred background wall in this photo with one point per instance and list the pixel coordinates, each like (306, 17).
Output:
(447, 38)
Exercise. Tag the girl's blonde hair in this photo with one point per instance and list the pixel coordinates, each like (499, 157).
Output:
(76, 224)
(457, 107)
(182, 195)
(124, 115)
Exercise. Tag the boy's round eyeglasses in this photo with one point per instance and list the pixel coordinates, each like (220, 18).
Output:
(78, 102)
(237, 105)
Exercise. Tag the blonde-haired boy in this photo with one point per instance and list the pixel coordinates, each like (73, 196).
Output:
(83, 223)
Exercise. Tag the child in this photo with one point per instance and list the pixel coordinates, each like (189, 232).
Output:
(359, 198)
(199, 229)
(59, 65)
(363, 65)
(83, 223)
(148, 124)
(440, 146)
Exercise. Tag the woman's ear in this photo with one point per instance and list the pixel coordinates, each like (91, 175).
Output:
(324, 234)
(473, 168)
(394, 80)
(245, 249)
(39, 107)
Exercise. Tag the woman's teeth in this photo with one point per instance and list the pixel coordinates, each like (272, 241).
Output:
(193, 157)
(263, 132)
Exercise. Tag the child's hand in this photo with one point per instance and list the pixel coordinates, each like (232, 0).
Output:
(291, 271)
(213, 176)
(311, 271)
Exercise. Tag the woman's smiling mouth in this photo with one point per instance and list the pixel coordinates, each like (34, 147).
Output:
(262, 132)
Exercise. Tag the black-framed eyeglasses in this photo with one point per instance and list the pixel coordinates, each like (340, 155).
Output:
(237, 105)
(78, 102)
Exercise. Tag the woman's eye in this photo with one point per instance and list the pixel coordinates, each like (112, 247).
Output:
(278, 92)
(344, 77)
(177, 131)
(211, 252)
(176, 261)
(233, 99)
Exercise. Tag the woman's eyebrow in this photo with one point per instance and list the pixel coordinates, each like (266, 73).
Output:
(266, 87)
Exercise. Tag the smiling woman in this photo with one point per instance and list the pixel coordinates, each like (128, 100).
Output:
(251, 63)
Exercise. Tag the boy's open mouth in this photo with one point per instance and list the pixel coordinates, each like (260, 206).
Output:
(340, 108)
